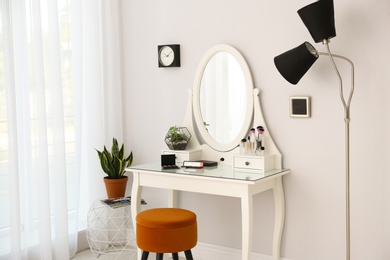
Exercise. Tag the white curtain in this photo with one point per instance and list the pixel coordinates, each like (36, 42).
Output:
(60, 97)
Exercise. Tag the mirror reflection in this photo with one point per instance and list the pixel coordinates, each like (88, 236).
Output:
(223, 97)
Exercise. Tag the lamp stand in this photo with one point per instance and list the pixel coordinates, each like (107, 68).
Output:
(347, 119)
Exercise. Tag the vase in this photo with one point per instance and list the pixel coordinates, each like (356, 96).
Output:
(116, 187)
(178, 143)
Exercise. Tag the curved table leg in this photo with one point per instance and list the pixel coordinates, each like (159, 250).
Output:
(279, 216)
(136, 191)
(247, 226)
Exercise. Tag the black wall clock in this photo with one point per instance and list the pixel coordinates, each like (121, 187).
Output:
(169, 55)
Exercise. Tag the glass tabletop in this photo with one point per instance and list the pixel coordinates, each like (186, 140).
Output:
(224, 172)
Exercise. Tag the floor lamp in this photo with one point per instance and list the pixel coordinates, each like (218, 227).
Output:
(318, 17)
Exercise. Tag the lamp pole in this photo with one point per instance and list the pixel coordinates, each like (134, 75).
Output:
(346, 104)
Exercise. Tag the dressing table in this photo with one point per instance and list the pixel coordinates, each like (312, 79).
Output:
(209, 109)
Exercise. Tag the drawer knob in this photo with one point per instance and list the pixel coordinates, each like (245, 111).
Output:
(246, 163)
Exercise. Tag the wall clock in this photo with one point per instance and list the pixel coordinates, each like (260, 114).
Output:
(169, 55)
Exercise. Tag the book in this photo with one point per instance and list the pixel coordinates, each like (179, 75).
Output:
(207, 163)
(120, 202)
(193, 164)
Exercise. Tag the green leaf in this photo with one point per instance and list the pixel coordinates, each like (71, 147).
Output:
(117, 164)
(129, 160)
(105, 164)
(114, 148)
(107, 154)
(121, 152)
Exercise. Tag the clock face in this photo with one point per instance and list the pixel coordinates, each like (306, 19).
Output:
(166, 55)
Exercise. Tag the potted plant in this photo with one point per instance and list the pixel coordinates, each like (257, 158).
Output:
(114, 164)
(177, 138)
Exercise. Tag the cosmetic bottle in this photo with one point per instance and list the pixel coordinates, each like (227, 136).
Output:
(242, 146)
(261, 151)
(253, 141)
(248, 147)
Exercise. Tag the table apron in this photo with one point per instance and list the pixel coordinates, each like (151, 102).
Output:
(206, 185)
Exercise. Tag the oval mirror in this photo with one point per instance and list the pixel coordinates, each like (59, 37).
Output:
(223, 97)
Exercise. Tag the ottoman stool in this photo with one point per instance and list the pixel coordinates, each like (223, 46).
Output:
(166, 230)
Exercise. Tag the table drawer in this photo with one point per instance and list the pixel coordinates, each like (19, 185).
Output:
(260, 163)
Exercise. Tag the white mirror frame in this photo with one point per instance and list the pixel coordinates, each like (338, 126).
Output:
(196, 100)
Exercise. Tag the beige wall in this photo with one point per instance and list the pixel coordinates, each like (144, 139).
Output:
(313, 148)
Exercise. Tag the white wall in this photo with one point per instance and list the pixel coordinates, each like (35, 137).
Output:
(313, 148)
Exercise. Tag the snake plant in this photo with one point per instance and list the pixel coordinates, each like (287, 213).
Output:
(114, 163)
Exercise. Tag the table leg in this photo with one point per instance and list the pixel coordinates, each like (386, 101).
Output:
(136, 191)
(172, 198)
(279, 217)
(247, 225)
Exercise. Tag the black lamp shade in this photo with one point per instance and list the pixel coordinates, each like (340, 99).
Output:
(318, 17)
(293, 64)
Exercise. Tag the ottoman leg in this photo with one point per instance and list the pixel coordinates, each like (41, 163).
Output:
(188, 255)
(159, 256)
(175, 256)
(145, 255)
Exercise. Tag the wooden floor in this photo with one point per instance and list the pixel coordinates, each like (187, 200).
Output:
(87, 255)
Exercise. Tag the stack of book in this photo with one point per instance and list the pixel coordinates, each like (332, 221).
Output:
(120, 202)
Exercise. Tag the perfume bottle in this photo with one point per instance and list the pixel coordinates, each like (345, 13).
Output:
(248, 146)
(242, 146)
(253, 141)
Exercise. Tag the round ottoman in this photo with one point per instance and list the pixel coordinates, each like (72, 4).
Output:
(166, 230)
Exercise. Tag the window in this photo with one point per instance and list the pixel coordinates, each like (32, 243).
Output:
(37, 118)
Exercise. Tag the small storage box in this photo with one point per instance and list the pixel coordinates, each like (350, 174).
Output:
(256, 163)
(185, 155)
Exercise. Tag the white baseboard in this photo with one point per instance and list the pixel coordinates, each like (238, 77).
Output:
(82, 242)
(202, 251)
(205, 251)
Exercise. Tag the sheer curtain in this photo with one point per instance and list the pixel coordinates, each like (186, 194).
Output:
(60, 97)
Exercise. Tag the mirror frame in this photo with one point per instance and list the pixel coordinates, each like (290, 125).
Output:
(196, 100)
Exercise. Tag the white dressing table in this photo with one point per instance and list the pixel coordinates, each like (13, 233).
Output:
(217, 140)
(222, 181)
